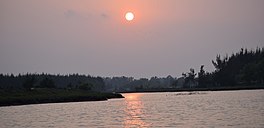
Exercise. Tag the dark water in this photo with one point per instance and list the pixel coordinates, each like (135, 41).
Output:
(204, 109)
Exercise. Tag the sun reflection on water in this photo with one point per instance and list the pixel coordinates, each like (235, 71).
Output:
(134, 111)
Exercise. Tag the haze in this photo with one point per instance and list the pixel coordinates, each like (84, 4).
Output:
(167, 37)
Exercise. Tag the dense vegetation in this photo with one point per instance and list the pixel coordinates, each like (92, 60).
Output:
(128, 84)
(46, 88)
(42, 95)
(29, 81)
(244, 69)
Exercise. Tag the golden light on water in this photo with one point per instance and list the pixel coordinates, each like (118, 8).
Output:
(134, 111)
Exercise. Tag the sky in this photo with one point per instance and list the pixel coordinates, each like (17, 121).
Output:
(166, 37)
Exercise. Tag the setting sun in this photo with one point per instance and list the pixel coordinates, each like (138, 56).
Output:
(129, 16)
(150, 63)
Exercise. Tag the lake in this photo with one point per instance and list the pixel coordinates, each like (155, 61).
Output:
(172, 109)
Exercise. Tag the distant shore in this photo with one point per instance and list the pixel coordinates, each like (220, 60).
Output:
(40, 96)
(195, 89)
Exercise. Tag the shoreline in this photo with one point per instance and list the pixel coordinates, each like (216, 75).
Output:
(44, 96)
(196, 89)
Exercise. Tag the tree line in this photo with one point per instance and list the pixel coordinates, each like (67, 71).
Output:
(30, 81)
(128, 84)
(244, 68)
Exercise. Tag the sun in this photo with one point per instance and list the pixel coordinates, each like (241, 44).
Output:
(129, 16)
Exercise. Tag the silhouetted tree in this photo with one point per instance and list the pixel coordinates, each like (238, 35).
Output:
(29, 82)
(47, 83)
(201, 77)
(189, 79)
(243, 68)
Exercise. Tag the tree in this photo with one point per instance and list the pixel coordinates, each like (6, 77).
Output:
(219, 64)
(47, 83)
(201, 77)
(29, 82)
(189, 78)
(243, 68)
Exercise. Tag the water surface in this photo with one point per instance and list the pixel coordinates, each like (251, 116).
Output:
(174, 109)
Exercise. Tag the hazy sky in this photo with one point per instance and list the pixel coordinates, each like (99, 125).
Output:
(167, 37)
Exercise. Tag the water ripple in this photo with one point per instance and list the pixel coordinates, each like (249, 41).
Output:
(207, 109)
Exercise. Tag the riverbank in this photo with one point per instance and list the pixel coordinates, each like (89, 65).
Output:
(39, 96)
(195, 89)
